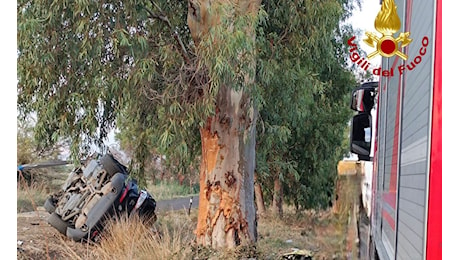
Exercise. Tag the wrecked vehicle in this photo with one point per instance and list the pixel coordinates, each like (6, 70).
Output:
(92, 194)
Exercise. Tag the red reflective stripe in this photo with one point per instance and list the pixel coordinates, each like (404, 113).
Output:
(395, 153)
(361, 103)
(434, 223)
(390, 198)
(376, 154)
(389, 219)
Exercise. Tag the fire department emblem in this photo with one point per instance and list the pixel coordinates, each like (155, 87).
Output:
(387, 23)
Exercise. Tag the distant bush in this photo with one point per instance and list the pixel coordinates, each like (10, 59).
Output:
(29, 197)
(163, 190)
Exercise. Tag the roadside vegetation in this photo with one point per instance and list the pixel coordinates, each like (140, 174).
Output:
(164, 190)
(320, 233)
(29, 196)
(252, 101)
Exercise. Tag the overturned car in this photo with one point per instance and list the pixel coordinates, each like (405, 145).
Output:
(94, 193)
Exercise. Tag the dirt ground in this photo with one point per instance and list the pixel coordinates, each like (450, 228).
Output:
(36, 239)
(39, 240)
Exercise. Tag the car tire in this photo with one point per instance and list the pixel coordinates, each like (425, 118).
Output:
(76, 234)
(59, 224)
(110, 165)
(49, 205)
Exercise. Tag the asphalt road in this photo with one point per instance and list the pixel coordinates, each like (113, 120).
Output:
(177, 204)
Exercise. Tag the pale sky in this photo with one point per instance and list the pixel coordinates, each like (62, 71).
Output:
(364, 21)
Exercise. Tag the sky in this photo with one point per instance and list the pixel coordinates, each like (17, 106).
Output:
(363, 19)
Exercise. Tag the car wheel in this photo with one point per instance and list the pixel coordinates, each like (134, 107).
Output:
(110, 165)
(76, 234)
(49, 205)
(56, 221)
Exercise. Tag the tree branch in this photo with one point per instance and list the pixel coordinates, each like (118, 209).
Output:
(174, 32)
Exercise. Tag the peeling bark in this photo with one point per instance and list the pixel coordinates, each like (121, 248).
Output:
(226, 216)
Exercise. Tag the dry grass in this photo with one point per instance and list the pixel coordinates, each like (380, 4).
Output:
(29, 196)
(327, 234)
(129, 238)
(171, 236)
(34, 186)
(322, 233)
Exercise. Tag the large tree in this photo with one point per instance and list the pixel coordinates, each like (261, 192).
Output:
(186, 78)
(224, 32)
(168, 71)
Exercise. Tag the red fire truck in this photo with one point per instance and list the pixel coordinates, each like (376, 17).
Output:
(398, 128)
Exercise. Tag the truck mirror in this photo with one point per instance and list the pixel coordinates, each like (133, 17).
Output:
(362, 98)
(360, 135)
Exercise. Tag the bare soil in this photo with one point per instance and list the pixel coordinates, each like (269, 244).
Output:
(36, 239)
(39, 240)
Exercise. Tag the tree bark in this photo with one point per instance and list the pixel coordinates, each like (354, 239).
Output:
(226, 215)
(277, 205)
(259, 196)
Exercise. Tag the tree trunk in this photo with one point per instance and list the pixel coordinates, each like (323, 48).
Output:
(277, 205)
(226, 215)
(259, 196)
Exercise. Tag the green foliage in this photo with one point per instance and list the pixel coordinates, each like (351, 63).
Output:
(165, 190)
(29, 151)
(304, 84)
(87, 67)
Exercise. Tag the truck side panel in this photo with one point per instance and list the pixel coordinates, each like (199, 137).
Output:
(434, 216)
(388, 156)
(404, 129)
(415, 133)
